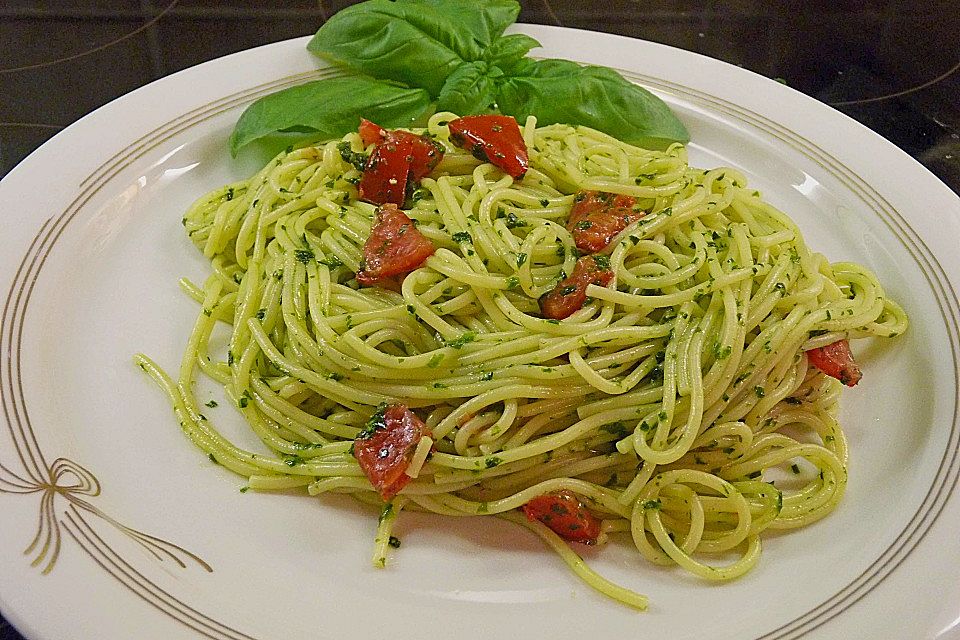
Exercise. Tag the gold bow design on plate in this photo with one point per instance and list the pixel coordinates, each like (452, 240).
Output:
(70, 481)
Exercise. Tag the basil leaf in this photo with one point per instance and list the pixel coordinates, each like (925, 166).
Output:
(485, 20)
(328, 108)
(509, 51)
(596, 97)
(398, 41)
(416, 42)
(471, 88)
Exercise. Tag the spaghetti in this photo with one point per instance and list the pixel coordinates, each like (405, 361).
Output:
(678, 403)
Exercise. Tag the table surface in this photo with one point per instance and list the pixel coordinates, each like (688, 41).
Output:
(893, 65)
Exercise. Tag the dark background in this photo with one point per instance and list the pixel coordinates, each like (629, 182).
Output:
(894, 65)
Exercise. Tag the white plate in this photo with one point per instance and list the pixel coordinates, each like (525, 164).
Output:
(143, 537)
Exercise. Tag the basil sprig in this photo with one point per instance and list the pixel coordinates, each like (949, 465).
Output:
(407, 58)
(417, 42)
(328, 109)
(596, 97)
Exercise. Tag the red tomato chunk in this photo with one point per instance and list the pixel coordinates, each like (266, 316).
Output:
(426, 155)
(493, 139)
(597, 217)
(398, 157)
(565, 515)
(370, 132)
(570, 293)
(385, 446)
(836, 360)
(385, 175)
(394, 246)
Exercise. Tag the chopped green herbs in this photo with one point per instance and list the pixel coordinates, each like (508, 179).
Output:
(292, 460)
(464, 338)
(376, 422)
(332, 262)
(513, 222)
(304, 256)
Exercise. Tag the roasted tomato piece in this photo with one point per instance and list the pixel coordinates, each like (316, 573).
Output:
(385, 446)
(570, 293)
(385, 174)
(370, 132)
(565, 514)
(394, 246)
(597, 217)
(493, 139)
(425, 153)
(836, 360)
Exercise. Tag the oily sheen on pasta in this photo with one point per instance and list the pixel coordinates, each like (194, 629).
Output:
(678, 403)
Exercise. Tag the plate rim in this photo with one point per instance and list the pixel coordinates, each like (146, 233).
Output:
(145, 142)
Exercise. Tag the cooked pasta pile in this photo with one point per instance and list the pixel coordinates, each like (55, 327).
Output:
(678, 403)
